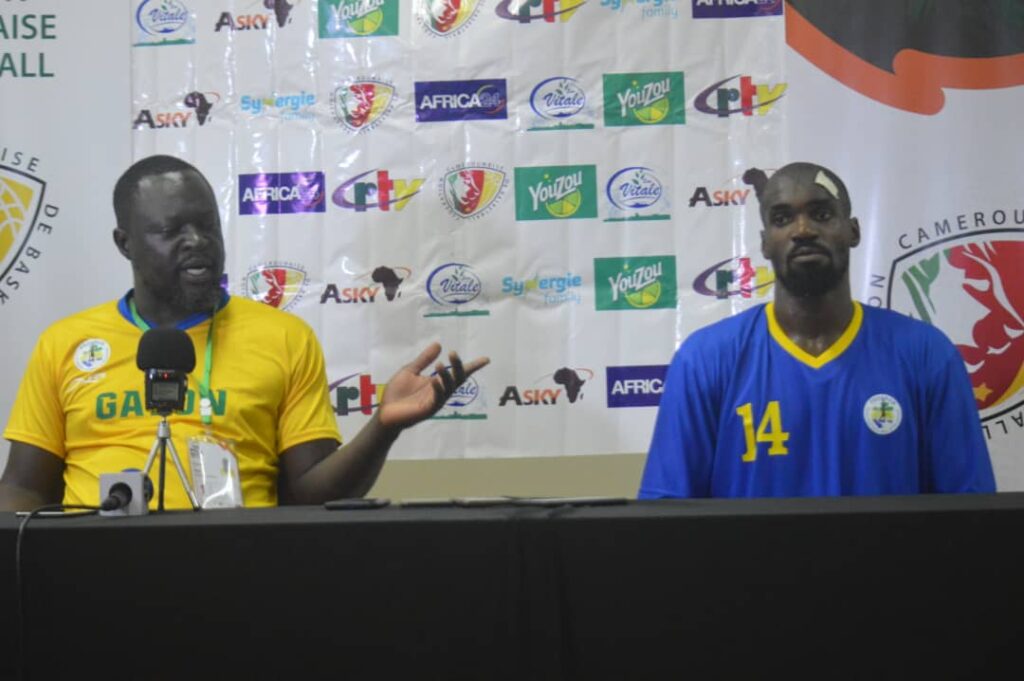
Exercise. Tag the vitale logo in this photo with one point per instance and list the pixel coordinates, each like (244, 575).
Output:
(163, 22)
(636, 193)
(456, 291)
(560, 103)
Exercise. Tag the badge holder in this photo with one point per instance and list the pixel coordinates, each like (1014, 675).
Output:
(214, 466)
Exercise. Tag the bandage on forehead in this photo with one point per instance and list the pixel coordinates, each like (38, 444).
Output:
(823, 180)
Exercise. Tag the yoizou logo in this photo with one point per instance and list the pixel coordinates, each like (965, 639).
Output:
(972, 287)
(635, 193)
(357, 18)
(560, 103)
(360, 105)
(637, 283)
(656, 98)
(281, 193)
(279, 285)
(549, 11)
(24, 214)
(570, 379)
(163, 22)
(734, 277)
(556, 192)
(470, 191)
(360, 195)
(454, 285)
(446, 18)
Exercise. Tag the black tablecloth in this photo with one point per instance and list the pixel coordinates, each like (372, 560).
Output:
(898, 587)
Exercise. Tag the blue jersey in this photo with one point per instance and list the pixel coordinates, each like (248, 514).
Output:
(888, 409)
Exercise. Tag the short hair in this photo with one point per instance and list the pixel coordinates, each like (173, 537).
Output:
(151, 166)
(757, 178)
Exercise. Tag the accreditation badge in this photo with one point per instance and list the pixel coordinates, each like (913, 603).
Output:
(214, 472)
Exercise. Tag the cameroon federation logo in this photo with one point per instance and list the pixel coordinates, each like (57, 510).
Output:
(470, 191)
(972, 287)
(361, 104)
(908, 51)
(279, 285)
(882, 414)
(446, 17)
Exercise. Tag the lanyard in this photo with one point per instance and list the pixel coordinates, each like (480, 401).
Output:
(205, 402)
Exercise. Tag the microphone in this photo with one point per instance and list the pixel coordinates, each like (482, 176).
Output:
(125, 493)
(166, 356)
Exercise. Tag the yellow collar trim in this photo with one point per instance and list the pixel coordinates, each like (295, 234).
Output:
(802, 355)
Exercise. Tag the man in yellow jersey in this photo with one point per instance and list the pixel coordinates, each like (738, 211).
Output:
(814, 394)
(260, 383)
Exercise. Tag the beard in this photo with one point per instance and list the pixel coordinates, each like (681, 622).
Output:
(811, 280)
(192, 298)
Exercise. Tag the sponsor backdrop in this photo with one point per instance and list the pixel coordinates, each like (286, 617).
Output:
(558, 184)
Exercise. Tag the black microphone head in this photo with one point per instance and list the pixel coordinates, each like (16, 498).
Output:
(170, 349)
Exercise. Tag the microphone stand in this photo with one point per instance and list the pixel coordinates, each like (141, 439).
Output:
(163, 443)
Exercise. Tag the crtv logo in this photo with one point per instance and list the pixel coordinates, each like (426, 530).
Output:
(470, 191)
(560, 103)
(357, 18)
(446, 18)
(734, 277)
(453, 286)
(361, 104)
(638, 283)
(733, 9)
(556, 192)
(163, 22)
(376, 189)
(281, 193)
(635, 386)
(636, 193)
(655, 98)
(461, 100)
(748, 98)
(201, 104)
(549, 11)
(356, 394)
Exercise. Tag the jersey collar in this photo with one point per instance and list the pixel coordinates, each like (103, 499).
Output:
(185, 324)
(801, 355)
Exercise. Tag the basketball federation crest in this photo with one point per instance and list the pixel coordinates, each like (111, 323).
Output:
(972, 287)
(882, 414)
(21, 198)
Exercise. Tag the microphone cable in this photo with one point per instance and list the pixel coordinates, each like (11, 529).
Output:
(19, 584)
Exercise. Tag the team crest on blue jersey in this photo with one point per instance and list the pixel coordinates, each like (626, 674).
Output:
(883, 414)
(90, 355)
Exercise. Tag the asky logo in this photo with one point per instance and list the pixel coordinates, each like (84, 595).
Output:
(636, 193)
(281, 193)
(718, 197)
(386, 278)
(357, 18)
(470, 191)
(543, 392)
(446, 18)
(560, 103)
(556, 192)
(526, 11)
(655, 98)
(276, 284)
(200, 103)
(163, 22)
(247, 22)
(461, 100)
(906, 53)
(747, 99)
(734, 277)
(452, 286)
(972, 287)
(376, 189)
(637, 283)
(361, 104)
(732, 9)
(24, 214)
(635, 386)
(356, 394)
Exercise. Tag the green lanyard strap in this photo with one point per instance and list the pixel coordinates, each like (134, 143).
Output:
(205, 401)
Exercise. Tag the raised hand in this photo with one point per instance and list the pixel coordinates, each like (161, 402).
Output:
(410, 397)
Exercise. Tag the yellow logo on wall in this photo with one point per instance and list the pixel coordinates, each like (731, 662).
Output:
(22, 214)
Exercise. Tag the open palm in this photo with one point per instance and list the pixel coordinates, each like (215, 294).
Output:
(411, 397)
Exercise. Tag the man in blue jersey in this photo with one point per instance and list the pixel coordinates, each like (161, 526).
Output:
(815, 394)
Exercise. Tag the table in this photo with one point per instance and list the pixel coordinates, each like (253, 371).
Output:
(888, 587)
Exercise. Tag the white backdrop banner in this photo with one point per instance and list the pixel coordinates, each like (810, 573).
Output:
(559, 184)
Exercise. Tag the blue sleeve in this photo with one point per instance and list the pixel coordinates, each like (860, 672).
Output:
(954, 444)
(681, 455)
